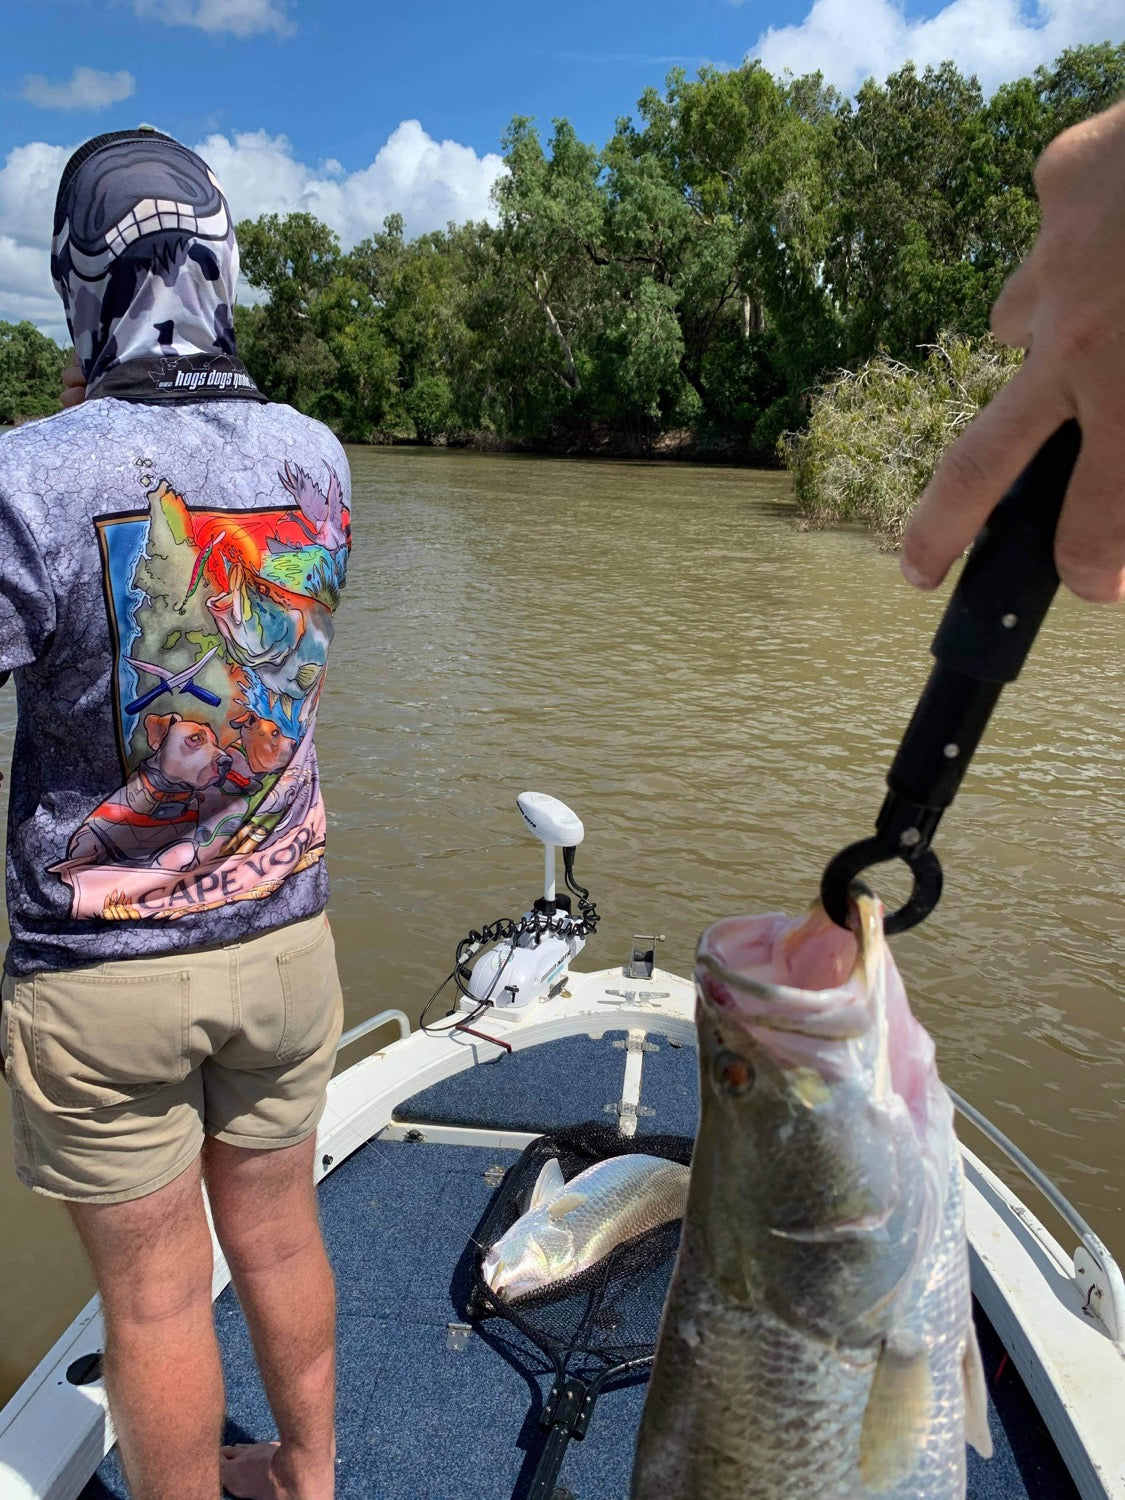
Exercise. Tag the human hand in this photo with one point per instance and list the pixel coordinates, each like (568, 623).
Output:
(1066, 306)
(74, 385)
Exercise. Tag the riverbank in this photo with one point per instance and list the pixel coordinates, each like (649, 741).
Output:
(873, 438)
(682, 445)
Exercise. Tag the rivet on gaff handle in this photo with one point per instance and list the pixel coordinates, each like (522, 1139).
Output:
(988, 628)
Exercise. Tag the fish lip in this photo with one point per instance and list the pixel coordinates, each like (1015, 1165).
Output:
(843, 1012)
(839, 1014)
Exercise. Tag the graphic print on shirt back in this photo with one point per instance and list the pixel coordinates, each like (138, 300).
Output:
(221, 621)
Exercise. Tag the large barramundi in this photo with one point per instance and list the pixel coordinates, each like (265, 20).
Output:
(818, 1338)
(570, 1226)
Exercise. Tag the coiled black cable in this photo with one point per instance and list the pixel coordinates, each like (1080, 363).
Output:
(589, 918)
(504, 929)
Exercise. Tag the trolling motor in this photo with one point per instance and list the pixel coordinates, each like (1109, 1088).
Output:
(988, 628)
(530, 958)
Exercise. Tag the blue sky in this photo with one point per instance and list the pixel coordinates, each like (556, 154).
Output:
(354, 110)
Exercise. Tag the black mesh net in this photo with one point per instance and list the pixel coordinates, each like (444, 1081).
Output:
(608, 1315)
(592, 1331)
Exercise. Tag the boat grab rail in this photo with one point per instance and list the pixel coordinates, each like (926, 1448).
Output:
(373, 1023)
(1097, 1274)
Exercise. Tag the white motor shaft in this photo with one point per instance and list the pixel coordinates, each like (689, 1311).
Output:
(554, 823)
(516, 973)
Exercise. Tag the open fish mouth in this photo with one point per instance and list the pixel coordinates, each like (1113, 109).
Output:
(809, 977)
(812, 996)
(805, 992)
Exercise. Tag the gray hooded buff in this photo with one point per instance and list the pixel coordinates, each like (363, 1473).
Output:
(145, 260)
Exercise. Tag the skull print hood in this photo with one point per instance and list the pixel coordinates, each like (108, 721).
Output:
(145, 260)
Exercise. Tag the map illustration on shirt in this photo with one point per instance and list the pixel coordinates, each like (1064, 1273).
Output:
(221, 621)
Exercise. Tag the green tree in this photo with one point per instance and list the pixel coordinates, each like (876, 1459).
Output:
(362, 398)
(418, 292)
(293, 260)
(429, 404)
(1017, 124)
(31, 366)
(731, 245)
(1082, 82)
(741, 237)
(552, 207)
(900, 263)
(290, 258)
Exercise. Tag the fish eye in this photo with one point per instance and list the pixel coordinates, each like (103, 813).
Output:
(733, 1074)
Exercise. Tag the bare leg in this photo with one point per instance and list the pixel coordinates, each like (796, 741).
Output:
(264, 1207)
(152, 1261)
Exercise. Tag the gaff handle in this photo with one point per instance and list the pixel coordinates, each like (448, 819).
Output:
(988, 628)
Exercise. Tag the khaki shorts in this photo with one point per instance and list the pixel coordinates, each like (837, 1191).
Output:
(118, 1071)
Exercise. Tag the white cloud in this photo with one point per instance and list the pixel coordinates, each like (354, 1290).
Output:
(998, 40)
(86, 88)
(26, 290)
(29, 180)
(239, 17)
(428, 182)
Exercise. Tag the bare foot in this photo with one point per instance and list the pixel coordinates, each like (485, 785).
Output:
(245, 1470)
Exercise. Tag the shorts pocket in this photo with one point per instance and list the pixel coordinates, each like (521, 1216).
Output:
(309, 987)
(98, 1039)
(5, 1025)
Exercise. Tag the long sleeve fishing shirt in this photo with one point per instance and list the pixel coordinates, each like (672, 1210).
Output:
(172, 553)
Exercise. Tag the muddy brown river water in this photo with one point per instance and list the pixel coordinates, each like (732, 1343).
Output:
(718, 696)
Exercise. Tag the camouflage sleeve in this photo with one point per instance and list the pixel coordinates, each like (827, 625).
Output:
(27, 600)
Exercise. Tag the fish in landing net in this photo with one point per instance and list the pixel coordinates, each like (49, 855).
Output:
(818, 1339)
(570, 1226)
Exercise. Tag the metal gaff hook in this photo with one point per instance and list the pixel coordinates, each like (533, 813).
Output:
(988, 628)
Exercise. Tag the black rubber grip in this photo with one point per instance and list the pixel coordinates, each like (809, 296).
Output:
(990, 623)
(1010, 578)
(988, 628)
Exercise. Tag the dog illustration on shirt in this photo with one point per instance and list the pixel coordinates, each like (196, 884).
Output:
(154, 818)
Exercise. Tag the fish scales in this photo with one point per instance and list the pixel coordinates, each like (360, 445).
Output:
(733, 1383)
(817, 1339)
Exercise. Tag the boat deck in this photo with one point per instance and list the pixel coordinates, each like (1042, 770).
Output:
(422, 1411)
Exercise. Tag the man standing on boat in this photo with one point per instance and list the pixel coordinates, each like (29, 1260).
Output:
(174, 547)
